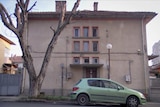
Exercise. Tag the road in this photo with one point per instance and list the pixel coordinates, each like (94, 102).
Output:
(38, 104)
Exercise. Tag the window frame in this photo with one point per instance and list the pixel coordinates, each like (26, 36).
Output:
(84, 58)
(93, 46)
(74, 32)
(94, 29)
(85, 34)
(74, 46)
(93, 62)
(74, 62)
(85, 49)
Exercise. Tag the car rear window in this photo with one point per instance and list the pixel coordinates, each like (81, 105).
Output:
(78, 82)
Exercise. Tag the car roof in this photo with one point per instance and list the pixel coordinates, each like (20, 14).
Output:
(85, 79)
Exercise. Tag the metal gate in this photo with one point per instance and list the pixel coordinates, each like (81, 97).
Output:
(10, 84)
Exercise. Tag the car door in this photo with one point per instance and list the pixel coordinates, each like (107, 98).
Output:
(114, 92)
(97, 90)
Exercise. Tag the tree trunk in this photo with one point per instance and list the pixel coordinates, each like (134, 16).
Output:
(35, 87)
(21, 14)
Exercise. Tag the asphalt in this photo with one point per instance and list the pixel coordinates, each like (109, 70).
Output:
(25, 99)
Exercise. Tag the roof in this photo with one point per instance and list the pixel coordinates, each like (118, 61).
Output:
(95, 15)
(150, 57)
(16, 59)
(7, 40)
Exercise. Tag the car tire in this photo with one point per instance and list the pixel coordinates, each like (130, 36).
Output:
(83, 99)
(132, 101)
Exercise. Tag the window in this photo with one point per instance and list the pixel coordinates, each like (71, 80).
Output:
(85, 31)
(76, 60)
(94, 31)
(95, 83)
(76, 46)
(86, 60)
(76, 32)
(112, 85)
(95, 46)
(86, 46)
(95, 60)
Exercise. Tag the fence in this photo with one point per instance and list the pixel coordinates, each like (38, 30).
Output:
(10, 84)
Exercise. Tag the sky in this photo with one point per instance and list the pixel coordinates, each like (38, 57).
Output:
(152, 28)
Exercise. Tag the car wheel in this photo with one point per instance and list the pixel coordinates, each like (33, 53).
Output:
(132, 101)
(83, 99)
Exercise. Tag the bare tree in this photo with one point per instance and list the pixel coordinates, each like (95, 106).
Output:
(21, 14)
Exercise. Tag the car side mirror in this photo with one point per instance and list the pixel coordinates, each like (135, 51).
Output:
(118, 88)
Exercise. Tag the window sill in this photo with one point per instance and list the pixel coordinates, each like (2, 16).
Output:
(85, 37)
(86, 52)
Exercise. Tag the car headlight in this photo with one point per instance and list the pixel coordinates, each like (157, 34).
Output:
(142, 96)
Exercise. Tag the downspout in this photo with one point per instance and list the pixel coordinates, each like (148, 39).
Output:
(144, 55)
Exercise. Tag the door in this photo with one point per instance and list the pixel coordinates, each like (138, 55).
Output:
(106, 91)
(114, 92)
(91, 72)
(97, 91)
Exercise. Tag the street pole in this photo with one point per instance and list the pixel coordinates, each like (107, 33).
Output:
(62, 66)
(109, 64)
(109, 47)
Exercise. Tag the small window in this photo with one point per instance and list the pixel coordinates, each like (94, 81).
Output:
(86, 46)
(94, 31)
(85, 31)
(95, 46)
(95, 60)
(86, 60)
(76, 32)
(76, 46)
(76, 60)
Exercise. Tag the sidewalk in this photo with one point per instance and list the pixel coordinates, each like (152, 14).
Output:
(11, 98)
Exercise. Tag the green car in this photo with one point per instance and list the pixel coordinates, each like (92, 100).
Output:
(102, 90)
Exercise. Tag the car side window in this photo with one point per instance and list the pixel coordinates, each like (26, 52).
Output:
(113, 85)
(95, 83)
(106, 84)
(91, 83)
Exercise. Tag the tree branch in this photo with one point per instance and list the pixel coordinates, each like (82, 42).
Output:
(32, 6)
(54, 39)
(6, 19)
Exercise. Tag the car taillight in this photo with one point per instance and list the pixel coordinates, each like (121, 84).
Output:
(75, 88)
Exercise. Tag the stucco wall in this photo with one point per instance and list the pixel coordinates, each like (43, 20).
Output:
(127, 55)
(3, 59)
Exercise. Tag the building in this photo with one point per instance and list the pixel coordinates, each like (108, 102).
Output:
(81, 52)
(156, 51)
(5, 46)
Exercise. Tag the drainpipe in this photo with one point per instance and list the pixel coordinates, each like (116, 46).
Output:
(144, 55)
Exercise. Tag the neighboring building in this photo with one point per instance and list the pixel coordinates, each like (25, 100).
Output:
(5, 45)
(156, 51)
(80, 51)
(155, 68)
(18, 62)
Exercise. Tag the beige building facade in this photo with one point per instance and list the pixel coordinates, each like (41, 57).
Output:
(5, 46)
(80, 51)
